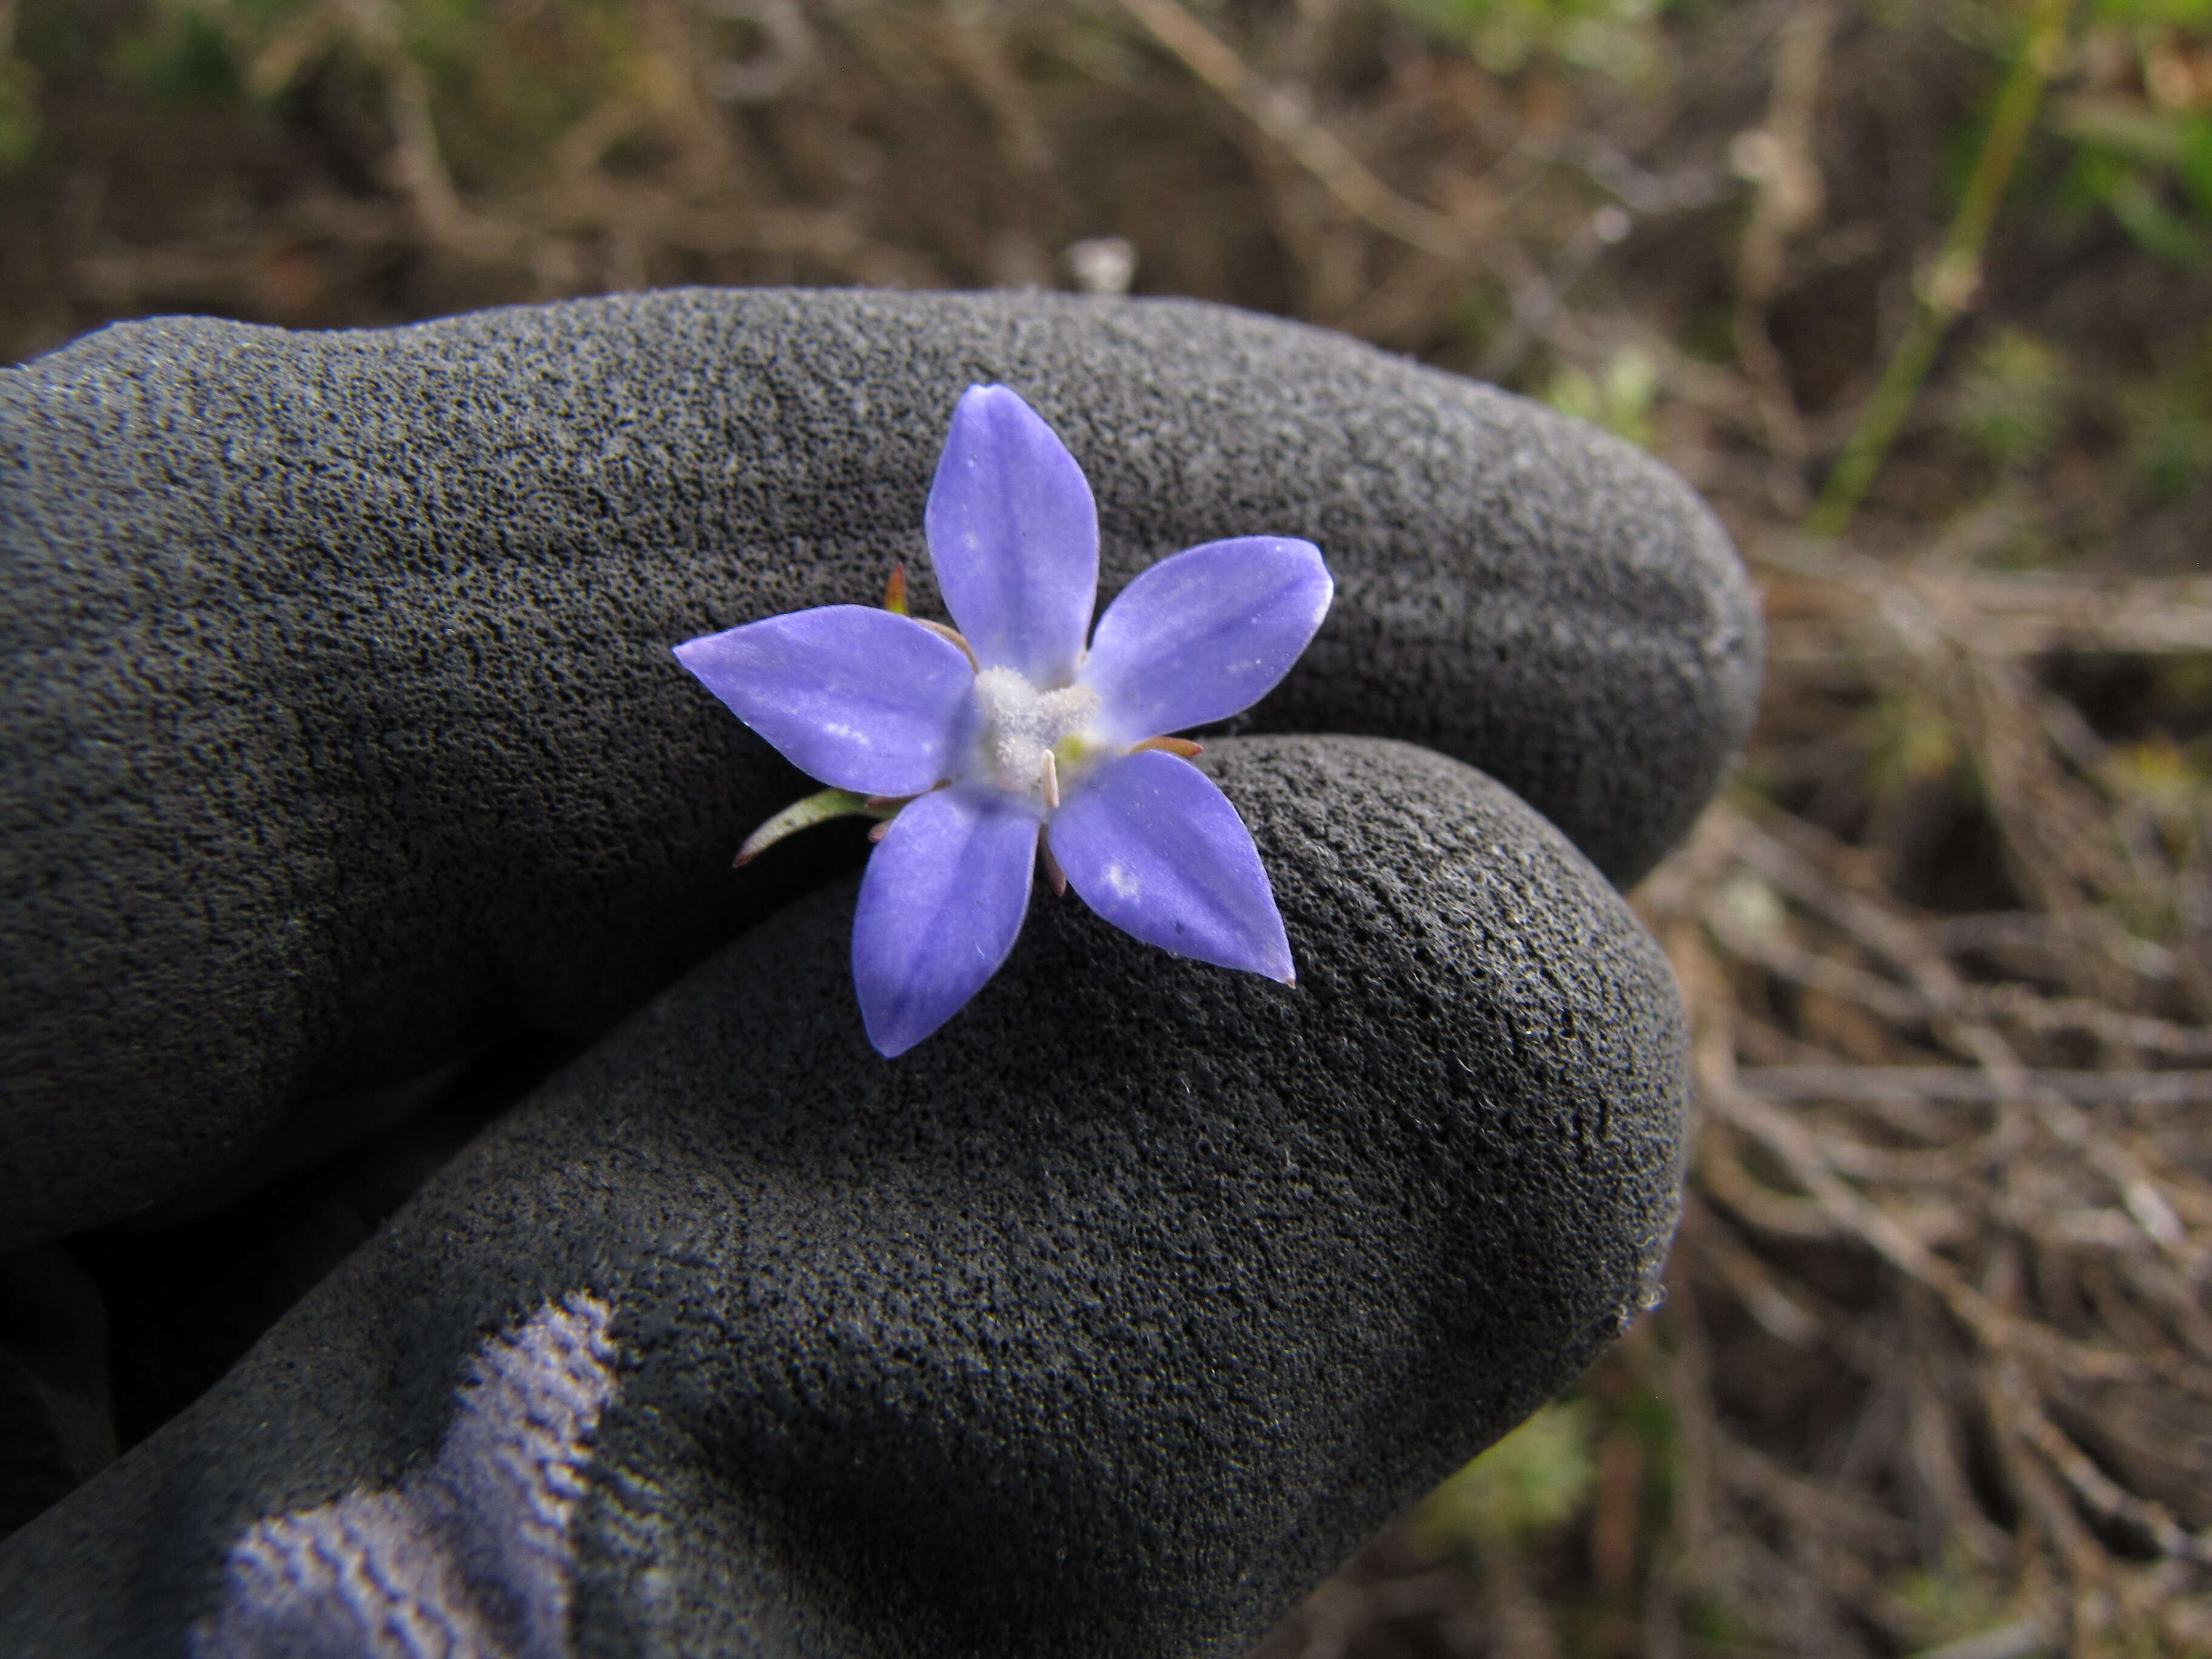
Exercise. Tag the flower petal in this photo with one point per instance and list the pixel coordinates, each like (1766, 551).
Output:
(1206, 634)
(1154, 848)
(857, 697)
(1013, 535)
(940, 906)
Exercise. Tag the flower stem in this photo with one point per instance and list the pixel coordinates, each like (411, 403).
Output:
(1950, 284)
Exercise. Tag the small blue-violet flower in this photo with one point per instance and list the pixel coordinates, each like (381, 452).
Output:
(1008, 742)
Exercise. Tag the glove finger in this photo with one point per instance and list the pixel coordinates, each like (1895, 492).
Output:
(346, 726)
(1103, 1323)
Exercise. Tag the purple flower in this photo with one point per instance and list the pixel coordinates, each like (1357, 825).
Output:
(1015, 743)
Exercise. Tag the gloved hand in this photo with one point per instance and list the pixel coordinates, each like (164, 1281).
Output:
(1102, 1322)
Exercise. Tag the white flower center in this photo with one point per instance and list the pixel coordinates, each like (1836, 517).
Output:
(1021, 724)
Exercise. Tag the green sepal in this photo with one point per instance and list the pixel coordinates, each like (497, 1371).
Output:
(815, 809)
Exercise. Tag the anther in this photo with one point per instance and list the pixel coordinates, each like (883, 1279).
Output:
(1051, 782)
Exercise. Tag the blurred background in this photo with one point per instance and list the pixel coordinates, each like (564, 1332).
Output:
(1919, 294)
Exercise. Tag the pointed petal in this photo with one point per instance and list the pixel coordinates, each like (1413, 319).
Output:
(1154, 848)
(940, 906)
(1013, 535)
(1206, 634)
(857, 697)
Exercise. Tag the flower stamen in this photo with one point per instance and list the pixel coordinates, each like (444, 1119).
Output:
(1023, 726)
(953, 635)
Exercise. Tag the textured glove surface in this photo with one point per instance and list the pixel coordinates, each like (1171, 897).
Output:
(344, 728)
(1102, 1324)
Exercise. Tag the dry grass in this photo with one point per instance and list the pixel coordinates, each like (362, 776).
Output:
(1936, 1361)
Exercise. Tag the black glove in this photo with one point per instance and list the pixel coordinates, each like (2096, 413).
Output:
(1106, 1320)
